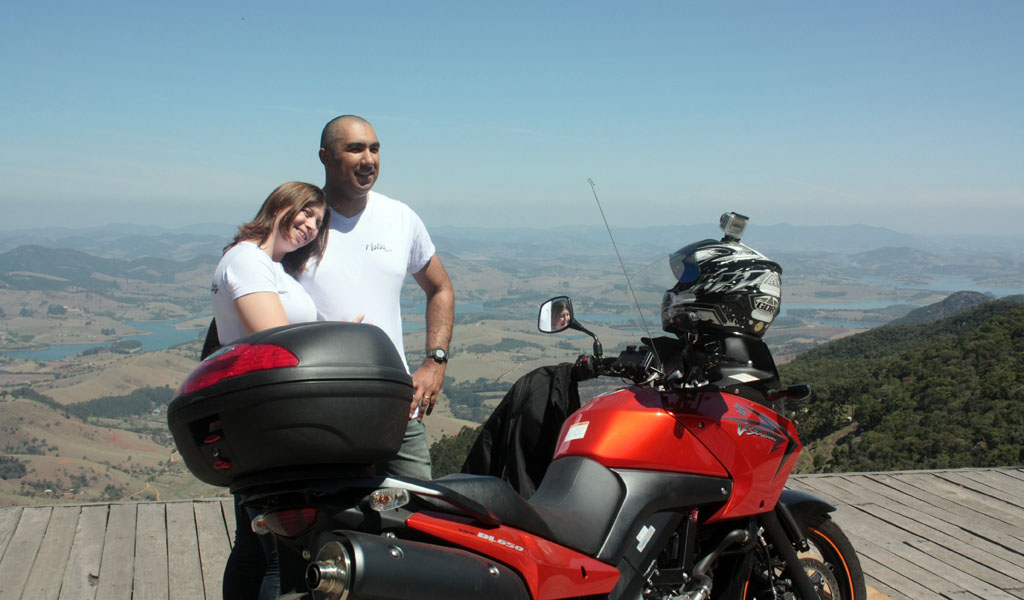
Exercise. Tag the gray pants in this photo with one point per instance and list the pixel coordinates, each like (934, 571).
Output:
(413, 458)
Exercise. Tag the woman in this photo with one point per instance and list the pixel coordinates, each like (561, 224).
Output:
(254, 288)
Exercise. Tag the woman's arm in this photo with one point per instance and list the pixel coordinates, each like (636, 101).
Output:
(259, 311)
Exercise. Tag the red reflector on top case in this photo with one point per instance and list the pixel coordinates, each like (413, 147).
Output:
(234, 361)
(290, 522)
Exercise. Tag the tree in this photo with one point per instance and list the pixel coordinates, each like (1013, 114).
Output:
(448, 453)
(11, 468)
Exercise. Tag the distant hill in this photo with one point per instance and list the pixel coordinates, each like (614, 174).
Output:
(127, 241)
(890, 258)
(42, 268)
(953, 304)
(932, 395)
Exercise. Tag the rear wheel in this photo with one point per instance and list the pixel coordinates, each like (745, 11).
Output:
(831, 564)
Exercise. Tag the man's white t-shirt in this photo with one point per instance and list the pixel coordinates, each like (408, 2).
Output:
(244, 270)
(365, 264)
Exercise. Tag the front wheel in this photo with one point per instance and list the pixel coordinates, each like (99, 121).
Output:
(831, 564)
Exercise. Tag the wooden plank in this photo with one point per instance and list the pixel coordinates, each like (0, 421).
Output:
(981, 498)
(952, 522)
(991, 484)
(150, 577)
(961, 514)
(964, 497)
(53, 556)
(21, 551)
(891, 583)
(183, 563)
(992, 572)
(118, 565)
(918, 566)
(1003, 479)
(83, 570)
(213, 545)
(9, 518)
(974, 556)
(1014, 473)
(832, 487)
(903, 575)
(817, 486)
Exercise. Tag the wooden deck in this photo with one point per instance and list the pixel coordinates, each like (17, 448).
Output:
(955, 534)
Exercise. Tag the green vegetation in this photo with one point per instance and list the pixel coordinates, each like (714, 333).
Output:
(140, 401)
(505, 345)
(939, 395)
(11, 468)
(466, 399)
(126, 346)
(448, 453)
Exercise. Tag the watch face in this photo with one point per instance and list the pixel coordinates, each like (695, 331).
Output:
(438, 354)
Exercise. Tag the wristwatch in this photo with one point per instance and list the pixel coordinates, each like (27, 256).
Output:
(440, 355)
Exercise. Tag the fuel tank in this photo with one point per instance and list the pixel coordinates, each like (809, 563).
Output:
(703, 433)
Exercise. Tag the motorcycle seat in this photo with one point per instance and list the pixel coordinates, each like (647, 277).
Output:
(574, 506)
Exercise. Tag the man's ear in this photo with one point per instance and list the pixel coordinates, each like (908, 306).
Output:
(325, 157)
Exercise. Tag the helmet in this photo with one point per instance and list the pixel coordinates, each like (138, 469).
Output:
(721, 286)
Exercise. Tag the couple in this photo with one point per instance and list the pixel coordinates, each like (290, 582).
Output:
(340, 253)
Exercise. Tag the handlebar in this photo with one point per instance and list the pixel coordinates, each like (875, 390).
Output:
(633, 363)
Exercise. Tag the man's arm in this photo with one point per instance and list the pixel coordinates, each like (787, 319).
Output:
(427, 379)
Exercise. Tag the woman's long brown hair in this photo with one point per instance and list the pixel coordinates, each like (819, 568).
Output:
(281, 207)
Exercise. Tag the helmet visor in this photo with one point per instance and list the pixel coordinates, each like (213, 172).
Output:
(683, 262)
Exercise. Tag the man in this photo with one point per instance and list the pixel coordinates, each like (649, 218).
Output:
(373, 242)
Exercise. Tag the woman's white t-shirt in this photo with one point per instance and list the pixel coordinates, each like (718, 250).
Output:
(244, 270)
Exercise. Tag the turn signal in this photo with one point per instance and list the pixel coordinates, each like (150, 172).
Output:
(387, 498)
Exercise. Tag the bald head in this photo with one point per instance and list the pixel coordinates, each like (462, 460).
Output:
(334, 129)
(350, 154)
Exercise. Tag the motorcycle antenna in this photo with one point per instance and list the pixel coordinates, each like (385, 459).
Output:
(629, 282)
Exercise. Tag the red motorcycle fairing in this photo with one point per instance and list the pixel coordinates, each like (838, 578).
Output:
(707, 433)
(631, 429)
(549, 570)
(758, 446)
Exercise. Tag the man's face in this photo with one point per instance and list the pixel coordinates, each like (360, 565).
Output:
(353, 160)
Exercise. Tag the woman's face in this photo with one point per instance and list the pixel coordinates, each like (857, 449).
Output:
(302, 230)
(560, 319)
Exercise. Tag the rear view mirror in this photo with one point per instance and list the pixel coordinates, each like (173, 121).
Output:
(555, 315)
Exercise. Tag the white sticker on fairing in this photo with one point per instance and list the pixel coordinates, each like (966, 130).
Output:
(644, 536)
(744, 377)
(577, 431)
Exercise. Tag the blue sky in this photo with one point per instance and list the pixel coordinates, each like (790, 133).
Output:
(902, 114)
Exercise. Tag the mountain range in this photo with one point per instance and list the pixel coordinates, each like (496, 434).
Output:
(134, 241)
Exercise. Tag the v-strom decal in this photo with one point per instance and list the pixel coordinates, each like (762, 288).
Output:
(752, 422)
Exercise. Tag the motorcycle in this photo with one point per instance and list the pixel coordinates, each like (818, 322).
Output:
(671, 487)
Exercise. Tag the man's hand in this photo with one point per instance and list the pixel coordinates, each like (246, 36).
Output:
(426, 384)
(428, 379)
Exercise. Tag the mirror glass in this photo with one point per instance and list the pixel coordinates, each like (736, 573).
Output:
(555, 315)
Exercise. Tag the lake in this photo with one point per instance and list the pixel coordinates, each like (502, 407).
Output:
(161, 335)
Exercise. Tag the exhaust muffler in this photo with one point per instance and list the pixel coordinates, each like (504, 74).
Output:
(350, 565)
